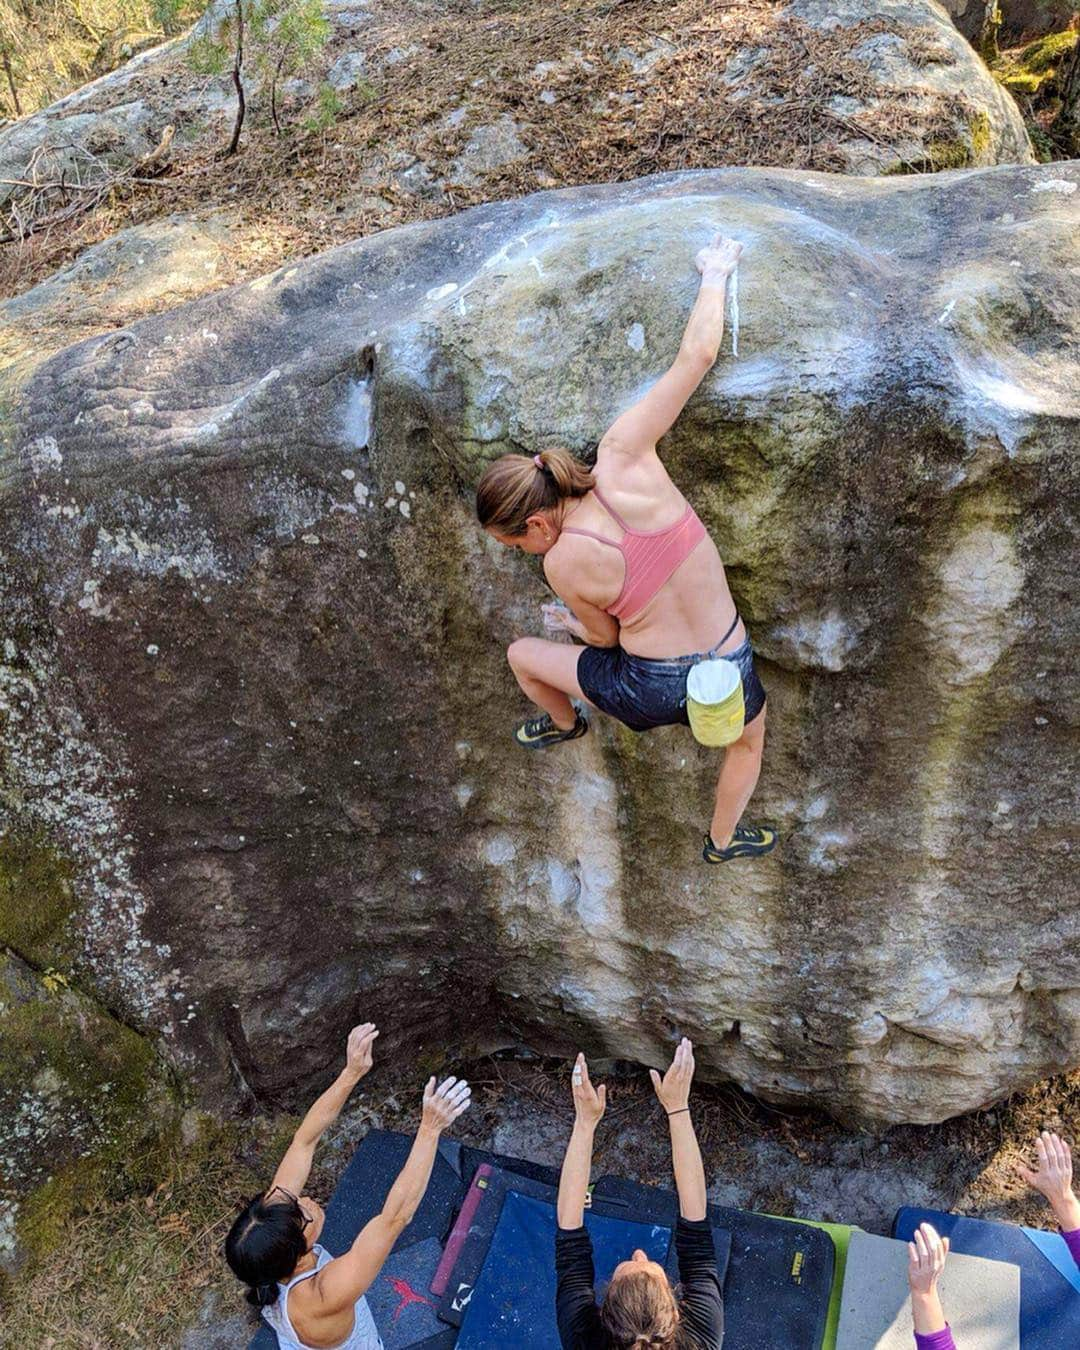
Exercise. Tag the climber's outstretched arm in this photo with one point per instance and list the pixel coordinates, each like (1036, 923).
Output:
(342, 1281)
(673, 1090)
(293, 1170)
(589, 1104)
(637, 430)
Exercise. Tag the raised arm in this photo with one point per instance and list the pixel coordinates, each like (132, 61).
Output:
(673, 1091)
(576, 1312)
(637, 430)
(926, 1261)
(293, 1170)
(1053, 1179)
(589, 1105)
(343, 1280)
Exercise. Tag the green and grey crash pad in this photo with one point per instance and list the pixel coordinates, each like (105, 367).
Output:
(981, 1299)
(840, 1233)
(1049, 1301)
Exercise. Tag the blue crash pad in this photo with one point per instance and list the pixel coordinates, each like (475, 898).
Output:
(514, 1299)
(1049, 1305)
(513, 1302)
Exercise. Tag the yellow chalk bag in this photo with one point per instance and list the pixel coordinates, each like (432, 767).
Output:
(714, 702)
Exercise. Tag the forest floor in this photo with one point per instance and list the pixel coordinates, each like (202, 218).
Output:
(564, 93)
(144, 1268)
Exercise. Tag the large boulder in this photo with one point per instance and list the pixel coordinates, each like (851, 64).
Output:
(255, 701)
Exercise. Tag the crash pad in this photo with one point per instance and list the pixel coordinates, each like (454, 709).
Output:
(1049, 1305)
(981, 1299)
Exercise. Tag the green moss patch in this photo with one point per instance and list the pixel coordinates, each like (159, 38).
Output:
(1028, 69)
(143, 1243)
(80, 1095)
(36, 901)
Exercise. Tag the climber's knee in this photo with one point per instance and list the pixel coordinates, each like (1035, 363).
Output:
(517, 654)
(753, 737)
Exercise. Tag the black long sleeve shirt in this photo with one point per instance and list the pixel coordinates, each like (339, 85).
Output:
(701, 1301)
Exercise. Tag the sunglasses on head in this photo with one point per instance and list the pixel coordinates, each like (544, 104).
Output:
(308, 1218)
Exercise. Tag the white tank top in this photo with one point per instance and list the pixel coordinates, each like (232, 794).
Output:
(364, 1335)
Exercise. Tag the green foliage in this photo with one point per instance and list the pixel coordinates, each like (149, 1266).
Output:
(49, 47)
(328, 106)
(206, 56)
(276, 39)
(286, 35)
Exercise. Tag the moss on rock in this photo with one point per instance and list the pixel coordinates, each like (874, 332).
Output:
(36, 901)
(1028, 70)
(79, 1092)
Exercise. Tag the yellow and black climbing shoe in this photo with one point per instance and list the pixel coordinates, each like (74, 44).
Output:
(539, 732)
(746, 842)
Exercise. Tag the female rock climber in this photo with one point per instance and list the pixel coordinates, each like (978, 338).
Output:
(641, 581)
(640, 1309)
(310, 1298)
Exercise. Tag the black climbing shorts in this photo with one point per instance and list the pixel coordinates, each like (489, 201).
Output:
(644, 694)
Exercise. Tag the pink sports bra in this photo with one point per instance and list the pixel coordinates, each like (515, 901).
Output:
(651, 556)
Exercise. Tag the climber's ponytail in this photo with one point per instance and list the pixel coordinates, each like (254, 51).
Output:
(516, 487)
(265, 1244)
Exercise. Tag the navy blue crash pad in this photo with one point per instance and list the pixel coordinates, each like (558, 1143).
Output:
(506, 1265)
(779, 1278)
(776, 1293)
(1049, 1305)
(513, 1303)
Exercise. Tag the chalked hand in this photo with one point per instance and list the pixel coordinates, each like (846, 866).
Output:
(718, 259)
(589, 1102)
(443, 1104)
(359, 1053)
(559, 619)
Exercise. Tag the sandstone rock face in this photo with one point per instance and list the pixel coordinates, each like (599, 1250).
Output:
(924, 60)
(252, 676)
(77, 1089)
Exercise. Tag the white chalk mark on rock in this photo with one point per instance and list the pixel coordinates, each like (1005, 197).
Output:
(1059, 185)
(733, 293)
(358, 414)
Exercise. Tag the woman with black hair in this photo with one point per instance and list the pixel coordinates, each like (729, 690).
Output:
(315, 1301)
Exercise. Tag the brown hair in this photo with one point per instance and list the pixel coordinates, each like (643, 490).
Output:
(639, 1312)
(516, 487)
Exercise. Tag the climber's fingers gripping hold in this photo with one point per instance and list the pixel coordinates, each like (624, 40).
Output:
(719, 258)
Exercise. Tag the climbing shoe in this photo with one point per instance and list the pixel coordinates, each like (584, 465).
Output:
(539, 732)
(746, 842)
